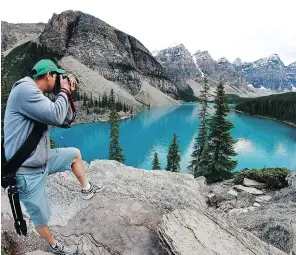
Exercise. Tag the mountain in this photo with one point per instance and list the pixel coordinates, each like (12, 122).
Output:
(101, 57)
(187, 71)
(271, 73)
(16, 34)
(291, 73)
(179, 65)
(246, 79)
(117, 56)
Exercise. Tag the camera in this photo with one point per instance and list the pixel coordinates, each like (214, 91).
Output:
(57, 85)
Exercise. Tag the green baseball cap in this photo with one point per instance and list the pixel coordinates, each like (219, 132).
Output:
(45, 66)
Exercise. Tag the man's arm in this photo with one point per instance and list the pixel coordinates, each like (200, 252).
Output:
(67, 121)
(70, 114)
(36, 106)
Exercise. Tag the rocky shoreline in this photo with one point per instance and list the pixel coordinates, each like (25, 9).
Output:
(84, 118)
(264, 117)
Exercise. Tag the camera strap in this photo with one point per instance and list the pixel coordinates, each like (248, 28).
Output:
(9, 169)
(70, 98)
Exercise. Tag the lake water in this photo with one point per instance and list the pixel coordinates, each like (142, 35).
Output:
(261, 142)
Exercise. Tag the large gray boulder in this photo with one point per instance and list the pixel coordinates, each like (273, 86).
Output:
(122, 218)
(251, 183)
(197, 232)
(291, 178)
(126, 215)
(274, 222)
(250, 190)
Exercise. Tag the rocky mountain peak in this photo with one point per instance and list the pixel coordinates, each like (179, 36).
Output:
(274, 57)
(203, 55)
(272, 61)
(238, 62)
(205, 62)
(179, 64)
(176, 46)
(223, 60)
(292, 65)
(175, 53)
(269, 72)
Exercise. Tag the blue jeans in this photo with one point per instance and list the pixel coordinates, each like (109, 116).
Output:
(31, 187)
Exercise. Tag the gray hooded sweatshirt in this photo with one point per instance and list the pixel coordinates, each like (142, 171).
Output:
(26, 103)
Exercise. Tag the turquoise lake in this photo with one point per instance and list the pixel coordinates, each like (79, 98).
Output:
(260, 142)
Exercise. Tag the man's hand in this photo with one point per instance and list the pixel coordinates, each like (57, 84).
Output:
(64, 83)
(73, 84)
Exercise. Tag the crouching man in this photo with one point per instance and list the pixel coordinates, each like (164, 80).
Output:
(27, 104)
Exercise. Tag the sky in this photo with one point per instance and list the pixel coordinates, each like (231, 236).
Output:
(249, 29)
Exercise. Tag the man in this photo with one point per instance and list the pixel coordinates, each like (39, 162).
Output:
(26, 104)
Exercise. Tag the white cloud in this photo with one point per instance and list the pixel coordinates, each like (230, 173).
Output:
(244, 146)
(249, 29)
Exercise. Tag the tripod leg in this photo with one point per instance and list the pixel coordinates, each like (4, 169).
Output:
(20, 223)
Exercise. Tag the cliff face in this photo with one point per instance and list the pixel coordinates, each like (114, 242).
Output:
(114, 54)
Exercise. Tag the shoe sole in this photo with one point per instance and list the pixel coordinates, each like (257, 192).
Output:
(88, 196)
(92, 194)
(62, 252)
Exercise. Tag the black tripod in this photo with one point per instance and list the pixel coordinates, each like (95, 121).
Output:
(19, 222)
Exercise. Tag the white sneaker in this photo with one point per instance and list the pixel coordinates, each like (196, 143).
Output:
(89, 193)
(64, 250)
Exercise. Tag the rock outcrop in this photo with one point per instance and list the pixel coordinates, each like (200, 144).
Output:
(251, 183)
(270, 217)
(135, 212)
(197, 232)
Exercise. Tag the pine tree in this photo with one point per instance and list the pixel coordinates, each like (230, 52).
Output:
(201, 138)
(173, 158)
(104, 100)
(91, 102)
(111, 100)
(84, 100)
(155, 163)
(115, 152)
(216, 163)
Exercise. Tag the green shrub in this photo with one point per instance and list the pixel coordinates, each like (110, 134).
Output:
(52, 144)
(274, 178)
